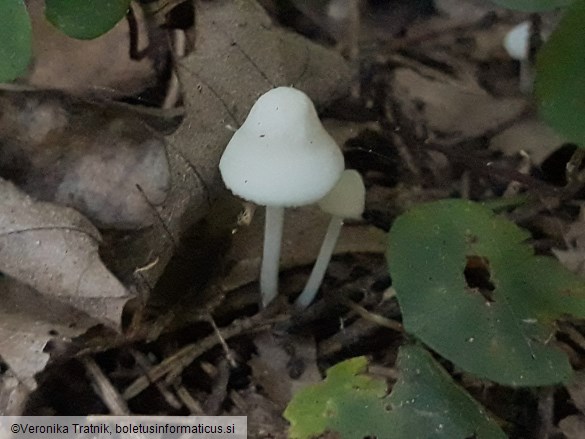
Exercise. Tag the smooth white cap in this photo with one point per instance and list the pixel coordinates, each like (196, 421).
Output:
(348, 198)
(281, 155)
(516, 41)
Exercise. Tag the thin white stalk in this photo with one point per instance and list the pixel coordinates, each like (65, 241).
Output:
(320, 267)
(271, 253)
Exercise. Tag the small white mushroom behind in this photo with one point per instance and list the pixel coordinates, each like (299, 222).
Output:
(345, 201)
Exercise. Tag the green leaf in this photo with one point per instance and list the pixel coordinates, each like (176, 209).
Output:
(424, 403)
(533, 5)
(85, 19)
(506, 334)
(322, 407)
(560, 76)
(15, 39)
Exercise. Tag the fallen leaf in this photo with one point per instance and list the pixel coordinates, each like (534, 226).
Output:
(576, 388)
(278, 359)
(458, 108)
(13, 394)
(573, 427)
(105, 163)
(55, 250)
(28, 321)
(531, 136)
(573, 257)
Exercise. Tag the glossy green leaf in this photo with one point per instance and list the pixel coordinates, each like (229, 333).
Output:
(85, 19)
(424, 403)
(501, 329)
(15, 39)
(533, 5)
(560, 76)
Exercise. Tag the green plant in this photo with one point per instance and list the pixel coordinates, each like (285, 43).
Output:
(560, 80)
(470, 288)
(81, 19)
(499, 328)
(15, 37)
(85, 19)
(425, 402)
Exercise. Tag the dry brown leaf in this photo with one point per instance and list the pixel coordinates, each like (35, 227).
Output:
(275, 361)
(28, 321)
(55, 250)
(576, 389)
(304, 230)
(265, 419)
(573, 427)
(101, 66)
(105, 163)
(458, 109)
(573, 257)
(13, 394)
(465, 11)
(531, 136)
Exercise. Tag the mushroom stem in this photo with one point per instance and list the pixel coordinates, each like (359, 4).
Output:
(320, 267)
(271, 253)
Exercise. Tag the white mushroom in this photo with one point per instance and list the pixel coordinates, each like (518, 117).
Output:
(516, 42)
(281, 156)
(517, 45)
(345, 201)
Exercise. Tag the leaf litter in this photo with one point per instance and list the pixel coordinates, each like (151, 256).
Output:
(471, 95)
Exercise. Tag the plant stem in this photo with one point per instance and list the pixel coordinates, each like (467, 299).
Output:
(271, 253)
(320, 267)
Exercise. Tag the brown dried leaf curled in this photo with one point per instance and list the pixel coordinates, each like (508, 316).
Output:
(104, 163)
(55, 250)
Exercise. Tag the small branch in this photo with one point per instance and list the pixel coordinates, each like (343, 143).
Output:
(104, 388)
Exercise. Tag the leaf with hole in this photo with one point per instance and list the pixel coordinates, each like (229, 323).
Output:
(560, 76)
(471, 288)
(85, 19)
(15, 39)
(425, 402)
(533, 5)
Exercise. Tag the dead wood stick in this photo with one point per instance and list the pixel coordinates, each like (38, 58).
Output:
(186, 355)
(104, 388)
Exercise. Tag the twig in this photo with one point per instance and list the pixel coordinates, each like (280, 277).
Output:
(228, 353)
(144, 363)
(187, 399)
(174, 86)
(575, 336)
(219, 390)
(372, 317)
(104, 388)
(186, 355)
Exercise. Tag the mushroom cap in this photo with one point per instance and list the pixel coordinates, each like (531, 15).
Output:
(348, 198)
(516, 41)
(281, 155)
